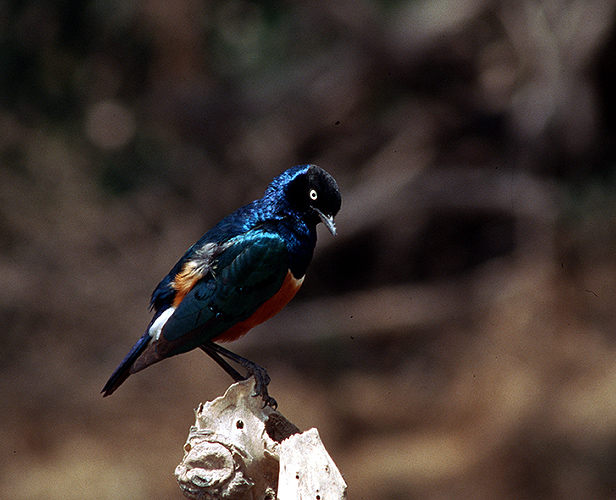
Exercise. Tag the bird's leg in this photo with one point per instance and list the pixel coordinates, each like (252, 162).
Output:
(262, 379)
(235, 375)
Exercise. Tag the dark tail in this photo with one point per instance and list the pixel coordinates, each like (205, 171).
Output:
(123, 371)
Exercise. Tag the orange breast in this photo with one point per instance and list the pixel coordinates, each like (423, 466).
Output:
(270, 308)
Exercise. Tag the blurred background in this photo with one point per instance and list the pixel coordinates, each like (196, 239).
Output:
(455, 340)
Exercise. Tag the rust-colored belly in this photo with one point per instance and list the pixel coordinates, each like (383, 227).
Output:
(268, 309)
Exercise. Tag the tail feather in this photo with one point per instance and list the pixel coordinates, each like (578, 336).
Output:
(123, 371)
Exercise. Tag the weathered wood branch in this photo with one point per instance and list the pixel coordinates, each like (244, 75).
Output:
(239, 450)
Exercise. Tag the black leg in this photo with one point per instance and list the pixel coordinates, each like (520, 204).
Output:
(235, 375)
(262, 379)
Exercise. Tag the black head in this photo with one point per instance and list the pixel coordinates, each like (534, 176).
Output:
(310, 191)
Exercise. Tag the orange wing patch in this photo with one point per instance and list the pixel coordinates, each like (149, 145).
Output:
(185, 280)
(268, 309)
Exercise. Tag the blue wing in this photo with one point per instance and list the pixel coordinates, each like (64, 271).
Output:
(249, 270)
(233, 226)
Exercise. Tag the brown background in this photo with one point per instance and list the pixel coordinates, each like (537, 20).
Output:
(456, 340)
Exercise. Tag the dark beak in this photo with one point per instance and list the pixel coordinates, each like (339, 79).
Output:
(327, 220)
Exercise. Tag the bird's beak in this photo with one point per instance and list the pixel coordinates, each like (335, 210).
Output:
(328, 221)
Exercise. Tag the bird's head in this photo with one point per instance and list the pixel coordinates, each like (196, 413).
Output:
(310, 191)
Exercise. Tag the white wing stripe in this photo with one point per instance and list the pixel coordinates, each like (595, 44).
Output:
(157, 326)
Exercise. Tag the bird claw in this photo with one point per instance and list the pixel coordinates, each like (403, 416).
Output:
(268, 401)
(262, 380)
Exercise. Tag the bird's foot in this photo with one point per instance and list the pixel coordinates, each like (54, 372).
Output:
(262, 380)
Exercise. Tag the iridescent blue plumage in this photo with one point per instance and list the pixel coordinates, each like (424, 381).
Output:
(238, 274)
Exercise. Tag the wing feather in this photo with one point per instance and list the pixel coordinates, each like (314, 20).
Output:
(247, 273)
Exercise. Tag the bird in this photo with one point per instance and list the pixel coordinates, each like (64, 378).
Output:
(239, 274)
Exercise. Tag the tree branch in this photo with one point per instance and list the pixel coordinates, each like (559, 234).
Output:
(239, 450)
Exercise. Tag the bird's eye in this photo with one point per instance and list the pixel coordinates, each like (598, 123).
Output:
(313, 194)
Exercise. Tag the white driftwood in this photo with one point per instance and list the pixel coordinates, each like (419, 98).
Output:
(238, 450)
(307, 470)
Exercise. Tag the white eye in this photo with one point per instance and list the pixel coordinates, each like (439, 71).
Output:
(313, 194)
